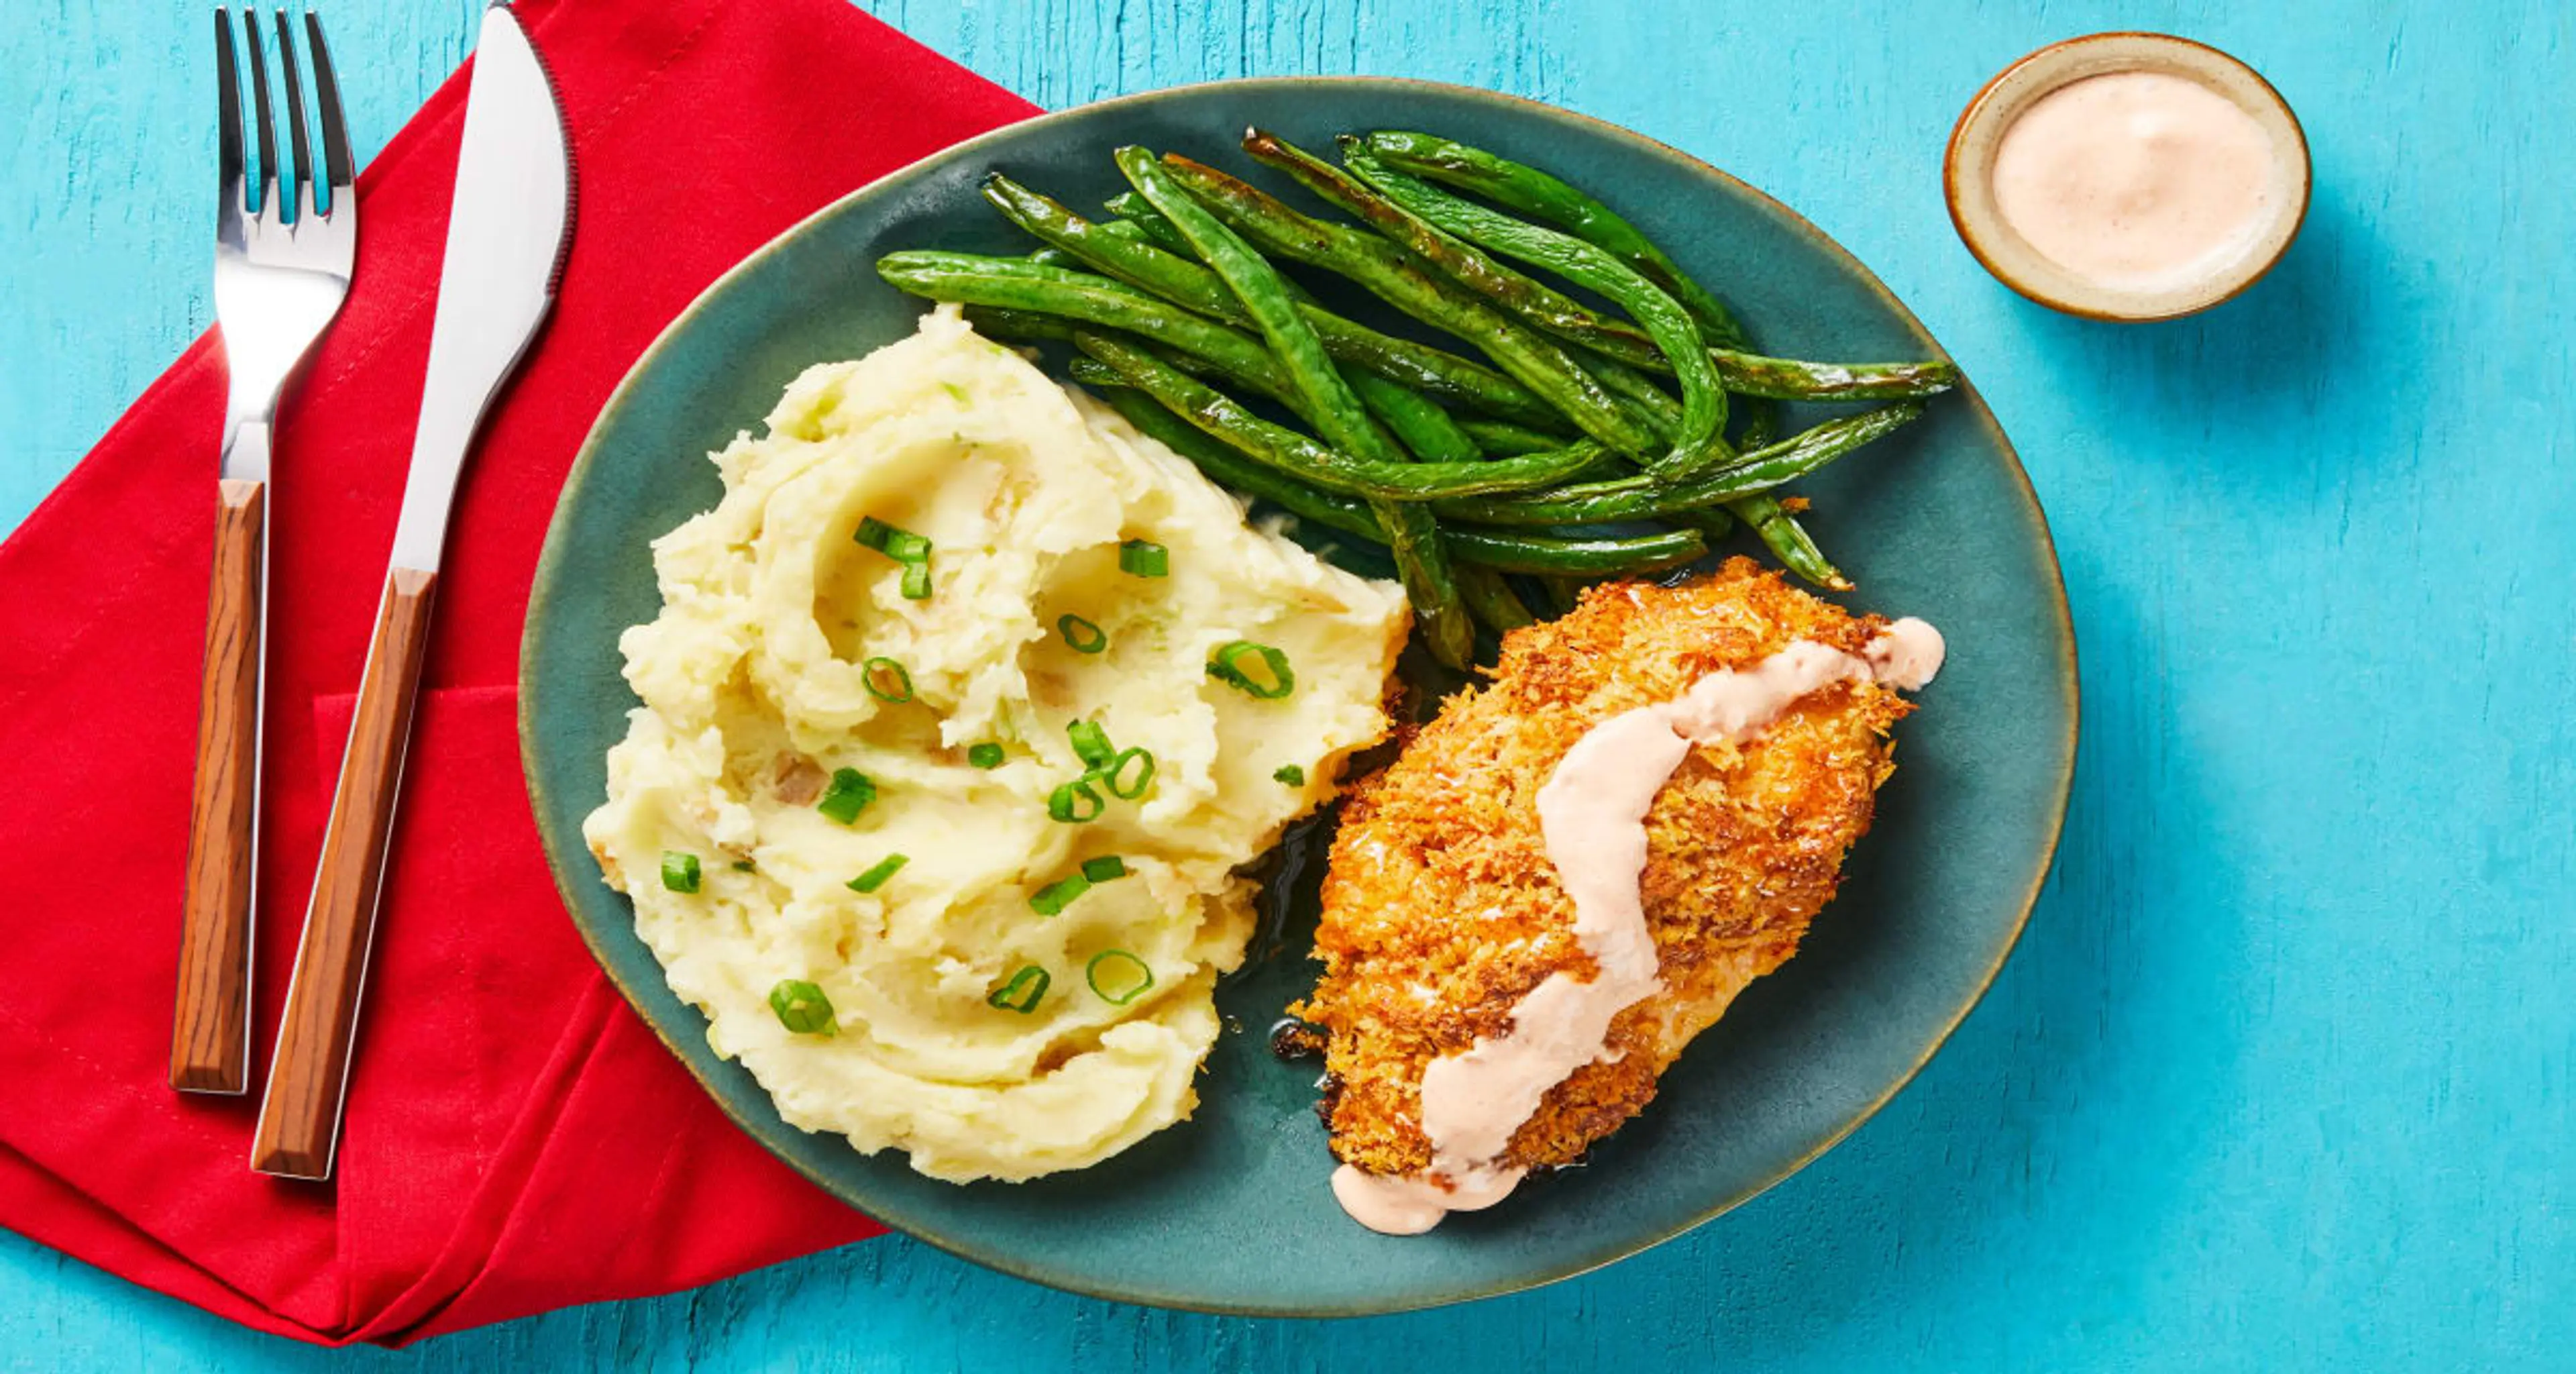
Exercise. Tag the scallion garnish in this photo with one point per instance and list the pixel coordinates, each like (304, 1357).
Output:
(802, 1007)
(1058, 895)
(745, 866)
(956, 391)
(1081, 635)
(903, 546)
(1144, 558)
(1291, 774)
(984, 755)
(876, 877)
(679, 871)
(1104, 869)
(1021, 994)
(886, 680)
(1075, 802)
(1226, 667)
(1091, 743)
(849, 794)
(1129, 974)
(1118, 771)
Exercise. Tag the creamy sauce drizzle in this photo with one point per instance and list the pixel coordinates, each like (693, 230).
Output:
(2137, 180)
(1592, 813)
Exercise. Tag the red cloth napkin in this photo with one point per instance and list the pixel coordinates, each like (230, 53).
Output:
(516, 1140)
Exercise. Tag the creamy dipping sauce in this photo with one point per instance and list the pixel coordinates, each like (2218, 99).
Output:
(1592, 813)
(2139, 180)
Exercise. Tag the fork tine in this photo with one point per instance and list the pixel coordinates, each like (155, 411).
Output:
(300, 193)
(326, 90)
(228, 125)
(267, 130)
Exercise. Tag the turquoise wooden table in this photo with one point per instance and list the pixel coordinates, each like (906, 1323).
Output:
(2284, 1074)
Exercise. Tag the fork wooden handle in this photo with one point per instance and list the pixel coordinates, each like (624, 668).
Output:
(299, 1118)
(210, 1033)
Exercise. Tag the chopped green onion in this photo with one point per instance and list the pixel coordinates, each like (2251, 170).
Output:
(874, 533)
(679, 871)
(1091, 743)
(1075, 802)
(916, 580)
(1291, 774)
(745, 866)
(802, 1007)
(1021, 994)
(1225, 668)
(877, 671)
(1117, 769)
(849, 794)
(984, 755)
(956, 391)
(1144, 558)
(1104, 868)
(1081, 635)
(1058, 895)
(1118, 961)
(876, 877)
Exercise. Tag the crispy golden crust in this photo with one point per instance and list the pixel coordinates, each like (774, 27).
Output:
(1441, 909)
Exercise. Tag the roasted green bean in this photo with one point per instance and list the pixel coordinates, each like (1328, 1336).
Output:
(1640, 498)
(1536, 194)
(1503, 438)
(1789, 541)
(1491, 599)
(1463, 262)
(1793, 379)
(1509, 550)
(1220, 418)
(1133, 209)
(1449, 247)
(1536, 361)
(1699, 442)
(1336, 411)
(1186, 283)
(1014, 284)
(1600, 556)
(1422, 426)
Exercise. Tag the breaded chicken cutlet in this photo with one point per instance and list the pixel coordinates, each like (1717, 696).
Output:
(1443, 909)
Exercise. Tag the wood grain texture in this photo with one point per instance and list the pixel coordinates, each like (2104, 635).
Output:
(299, 1117)
(2283, 1075)
(210, 1018)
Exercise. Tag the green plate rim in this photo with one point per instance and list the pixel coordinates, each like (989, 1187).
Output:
(558, 535)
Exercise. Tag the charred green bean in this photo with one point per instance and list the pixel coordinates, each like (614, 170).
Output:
(1536, 361)
(1641, 498)
(1211, 412)
(1509, 550)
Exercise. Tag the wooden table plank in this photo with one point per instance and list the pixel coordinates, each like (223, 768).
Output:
(2285, 1073)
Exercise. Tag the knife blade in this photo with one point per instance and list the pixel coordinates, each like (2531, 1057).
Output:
(508, 232)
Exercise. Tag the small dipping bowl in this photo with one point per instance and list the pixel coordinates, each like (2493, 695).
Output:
(1968, 178)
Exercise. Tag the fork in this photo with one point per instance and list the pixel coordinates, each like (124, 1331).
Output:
(282, 267)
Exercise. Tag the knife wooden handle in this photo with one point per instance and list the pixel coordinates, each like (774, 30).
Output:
(210, 1032)
(299, 1119)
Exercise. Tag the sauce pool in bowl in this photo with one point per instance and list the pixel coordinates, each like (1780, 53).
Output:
(2128, 176)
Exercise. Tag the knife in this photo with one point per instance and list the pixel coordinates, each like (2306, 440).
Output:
(507, 233)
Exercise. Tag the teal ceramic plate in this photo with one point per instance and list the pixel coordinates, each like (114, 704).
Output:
(1230, 1211)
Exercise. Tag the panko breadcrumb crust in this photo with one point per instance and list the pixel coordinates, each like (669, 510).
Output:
(1441, 908)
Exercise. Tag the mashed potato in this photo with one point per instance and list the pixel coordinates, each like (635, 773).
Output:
(755, 698)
